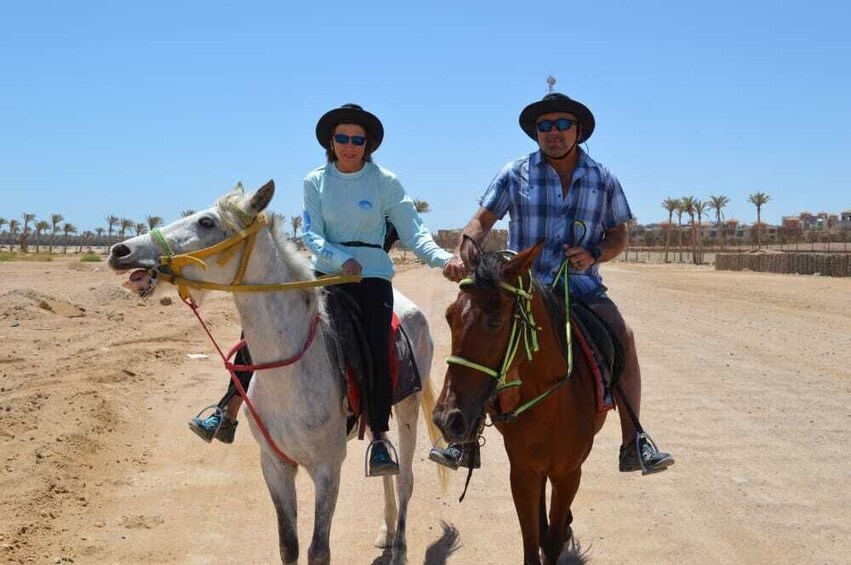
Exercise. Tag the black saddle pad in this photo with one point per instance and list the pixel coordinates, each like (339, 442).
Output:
(602, 338)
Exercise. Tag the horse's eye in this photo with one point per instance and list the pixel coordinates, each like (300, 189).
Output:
(207, 222)
(494, 323)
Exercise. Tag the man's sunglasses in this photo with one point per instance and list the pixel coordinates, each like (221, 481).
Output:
(561, 124)
(343, 139)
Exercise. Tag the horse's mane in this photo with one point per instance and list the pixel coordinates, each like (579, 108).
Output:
(488, 274)
(230, 208)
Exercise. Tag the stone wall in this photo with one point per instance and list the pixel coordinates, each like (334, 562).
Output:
(825, 264)
(496, 239)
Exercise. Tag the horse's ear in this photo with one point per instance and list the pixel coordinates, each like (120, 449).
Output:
(261, 198)
(470, 252)
(520, 264)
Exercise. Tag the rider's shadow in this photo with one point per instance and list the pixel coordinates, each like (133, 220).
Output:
(437, 553)
(572, 553)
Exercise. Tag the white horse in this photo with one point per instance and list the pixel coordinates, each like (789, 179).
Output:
(302, 404)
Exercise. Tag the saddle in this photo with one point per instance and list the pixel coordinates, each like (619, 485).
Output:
(350, 351)
(600, 346)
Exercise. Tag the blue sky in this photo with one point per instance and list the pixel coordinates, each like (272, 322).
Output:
(150, 108)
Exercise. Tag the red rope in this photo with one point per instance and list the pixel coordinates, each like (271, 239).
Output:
(233, 368)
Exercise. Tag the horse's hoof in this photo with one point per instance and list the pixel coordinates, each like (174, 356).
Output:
(384, 539)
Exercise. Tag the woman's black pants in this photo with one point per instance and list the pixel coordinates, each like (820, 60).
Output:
(375, 298)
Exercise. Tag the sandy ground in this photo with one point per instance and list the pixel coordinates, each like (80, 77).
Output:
(747, 380)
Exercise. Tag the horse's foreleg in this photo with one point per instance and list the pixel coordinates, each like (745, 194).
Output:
(280, 480)
(326, 482)
(564, 490)
(526, 491)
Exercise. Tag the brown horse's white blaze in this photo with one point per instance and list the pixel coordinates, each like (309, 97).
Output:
(548, 441)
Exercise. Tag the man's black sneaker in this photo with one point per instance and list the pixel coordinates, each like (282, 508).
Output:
(652, 460)
(457, 455)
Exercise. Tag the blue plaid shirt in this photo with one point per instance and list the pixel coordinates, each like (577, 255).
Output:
(529, 189)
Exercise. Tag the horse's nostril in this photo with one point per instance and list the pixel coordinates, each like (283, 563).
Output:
(456, 424)
(120, 250)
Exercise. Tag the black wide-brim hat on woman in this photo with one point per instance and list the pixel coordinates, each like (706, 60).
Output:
(557, 102)
(349, 114)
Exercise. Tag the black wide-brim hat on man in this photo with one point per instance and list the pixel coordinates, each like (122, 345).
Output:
(349, 114)
(557, 102)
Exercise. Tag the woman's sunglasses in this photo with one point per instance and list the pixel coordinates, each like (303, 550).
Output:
(561, 124)
(343, 139)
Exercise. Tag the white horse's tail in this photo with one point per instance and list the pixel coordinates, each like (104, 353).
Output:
(427, 404)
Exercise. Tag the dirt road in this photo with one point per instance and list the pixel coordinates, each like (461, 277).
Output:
(747, 381)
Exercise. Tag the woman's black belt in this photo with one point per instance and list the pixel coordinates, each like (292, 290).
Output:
(361, 244)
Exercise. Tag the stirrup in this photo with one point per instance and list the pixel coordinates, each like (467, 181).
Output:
(392, 451)
(643, 436)
(217, 410)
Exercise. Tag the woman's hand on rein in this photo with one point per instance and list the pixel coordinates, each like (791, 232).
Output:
(454, 269)
(351, 267)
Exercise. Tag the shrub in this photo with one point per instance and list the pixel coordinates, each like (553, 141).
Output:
(13, 256)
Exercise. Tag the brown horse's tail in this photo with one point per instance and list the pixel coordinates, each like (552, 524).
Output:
(427, 404)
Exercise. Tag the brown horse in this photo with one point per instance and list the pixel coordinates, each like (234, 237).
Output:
(546, 411)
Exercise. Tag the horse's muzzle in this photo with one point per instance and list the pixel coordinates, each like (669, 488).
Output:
(456, 426)
(123, 258)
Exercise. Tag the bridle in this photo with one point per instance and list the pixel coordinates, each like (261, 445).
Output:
(523, 329)
(171, 264)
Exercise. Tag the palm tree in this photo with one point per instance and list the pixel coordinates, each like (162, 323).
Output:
(14, 228)
(670, 205)
(111, 221)
(759, 199)
(99, 231)
(40, 228)
(68, 229)
(125, 224)
(699, 208)
(55, 220)
(295, 221)
(87, 235)
(718, 203)
(154, 222)
(140, 228)
(185, 213)
(688, 203)
(3, 222)
(680, 211)
(25, 233)
(422, 206)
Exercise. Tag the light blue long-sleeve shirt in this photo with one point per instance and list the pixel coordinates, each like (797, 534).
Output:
(341, 207)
